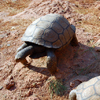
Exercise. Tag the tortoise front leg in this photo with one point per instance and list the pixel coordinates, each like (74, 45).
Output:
(21, 55)
(28, 50)
(51, 61)
(24, 45)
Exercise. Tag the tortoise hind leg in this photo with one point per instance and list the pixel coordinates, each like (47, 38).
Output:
(74, 41)
(51, 61)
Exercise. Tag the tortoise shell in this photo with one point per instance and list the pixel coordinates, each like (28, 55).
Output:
(51, 31)
(89, 90)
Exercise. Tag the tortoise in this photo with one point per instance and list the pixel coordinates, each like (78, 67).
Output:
(47, 33)
(89, 90)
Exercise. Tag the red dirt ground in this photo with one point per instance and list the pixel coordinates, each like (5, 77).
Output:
(75, 64)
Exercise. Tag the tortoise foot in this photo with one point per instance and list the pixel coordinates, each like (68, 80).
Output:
(51, 61)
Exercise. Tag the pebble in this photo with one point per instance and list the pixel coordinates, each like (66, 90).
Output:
(34, 98)
(98, 7)
(13, 28)
(39, 83)
(1, 87)
(34, 84)
(30, 92)
(1, 46)
(3, 35)
(8, 45)
(14, 0)
(99, 34)
(97, 43)
(97, 49)
(10, 84)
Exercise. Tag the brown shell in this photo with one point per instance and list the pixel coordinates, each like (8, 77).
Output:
(51, 31)
(89, 90)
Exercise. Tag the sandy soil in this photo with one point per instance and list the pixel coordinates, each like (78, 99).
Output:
(75, 64)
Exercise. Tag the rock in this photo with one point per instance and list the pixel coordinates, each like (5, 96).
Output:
(30, 92)
(14, 0)
(8, 45)
(34, 84)
(81, 78)
(33, 97)
(77, 80)
(3, 35)
(98, 7)
(67, 16)
(97, 49)
(39, 83)
(13, 28)
(9, 84)
(97, 43)
(1, 87)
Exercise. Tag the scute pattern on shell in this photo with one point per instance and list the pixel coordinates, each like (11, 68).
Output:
(51, 31)
(89, 90)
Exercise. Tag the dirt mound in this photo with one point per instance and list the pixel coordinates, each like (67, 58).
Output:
(19, 82)
(43, 7)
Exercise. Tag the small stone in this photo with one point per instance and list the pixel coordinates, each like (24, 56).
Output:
(33, 97)
(14, 0)
(9, 84)
(98, 7)
(38, 83)
(68, 16)
(99, 33)
(1, 87)
(34, 84)
(97, 49)
(8, 45)
(1, 46)
(30, 92)
(3, 35)
(97, 43)
(13, 28)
